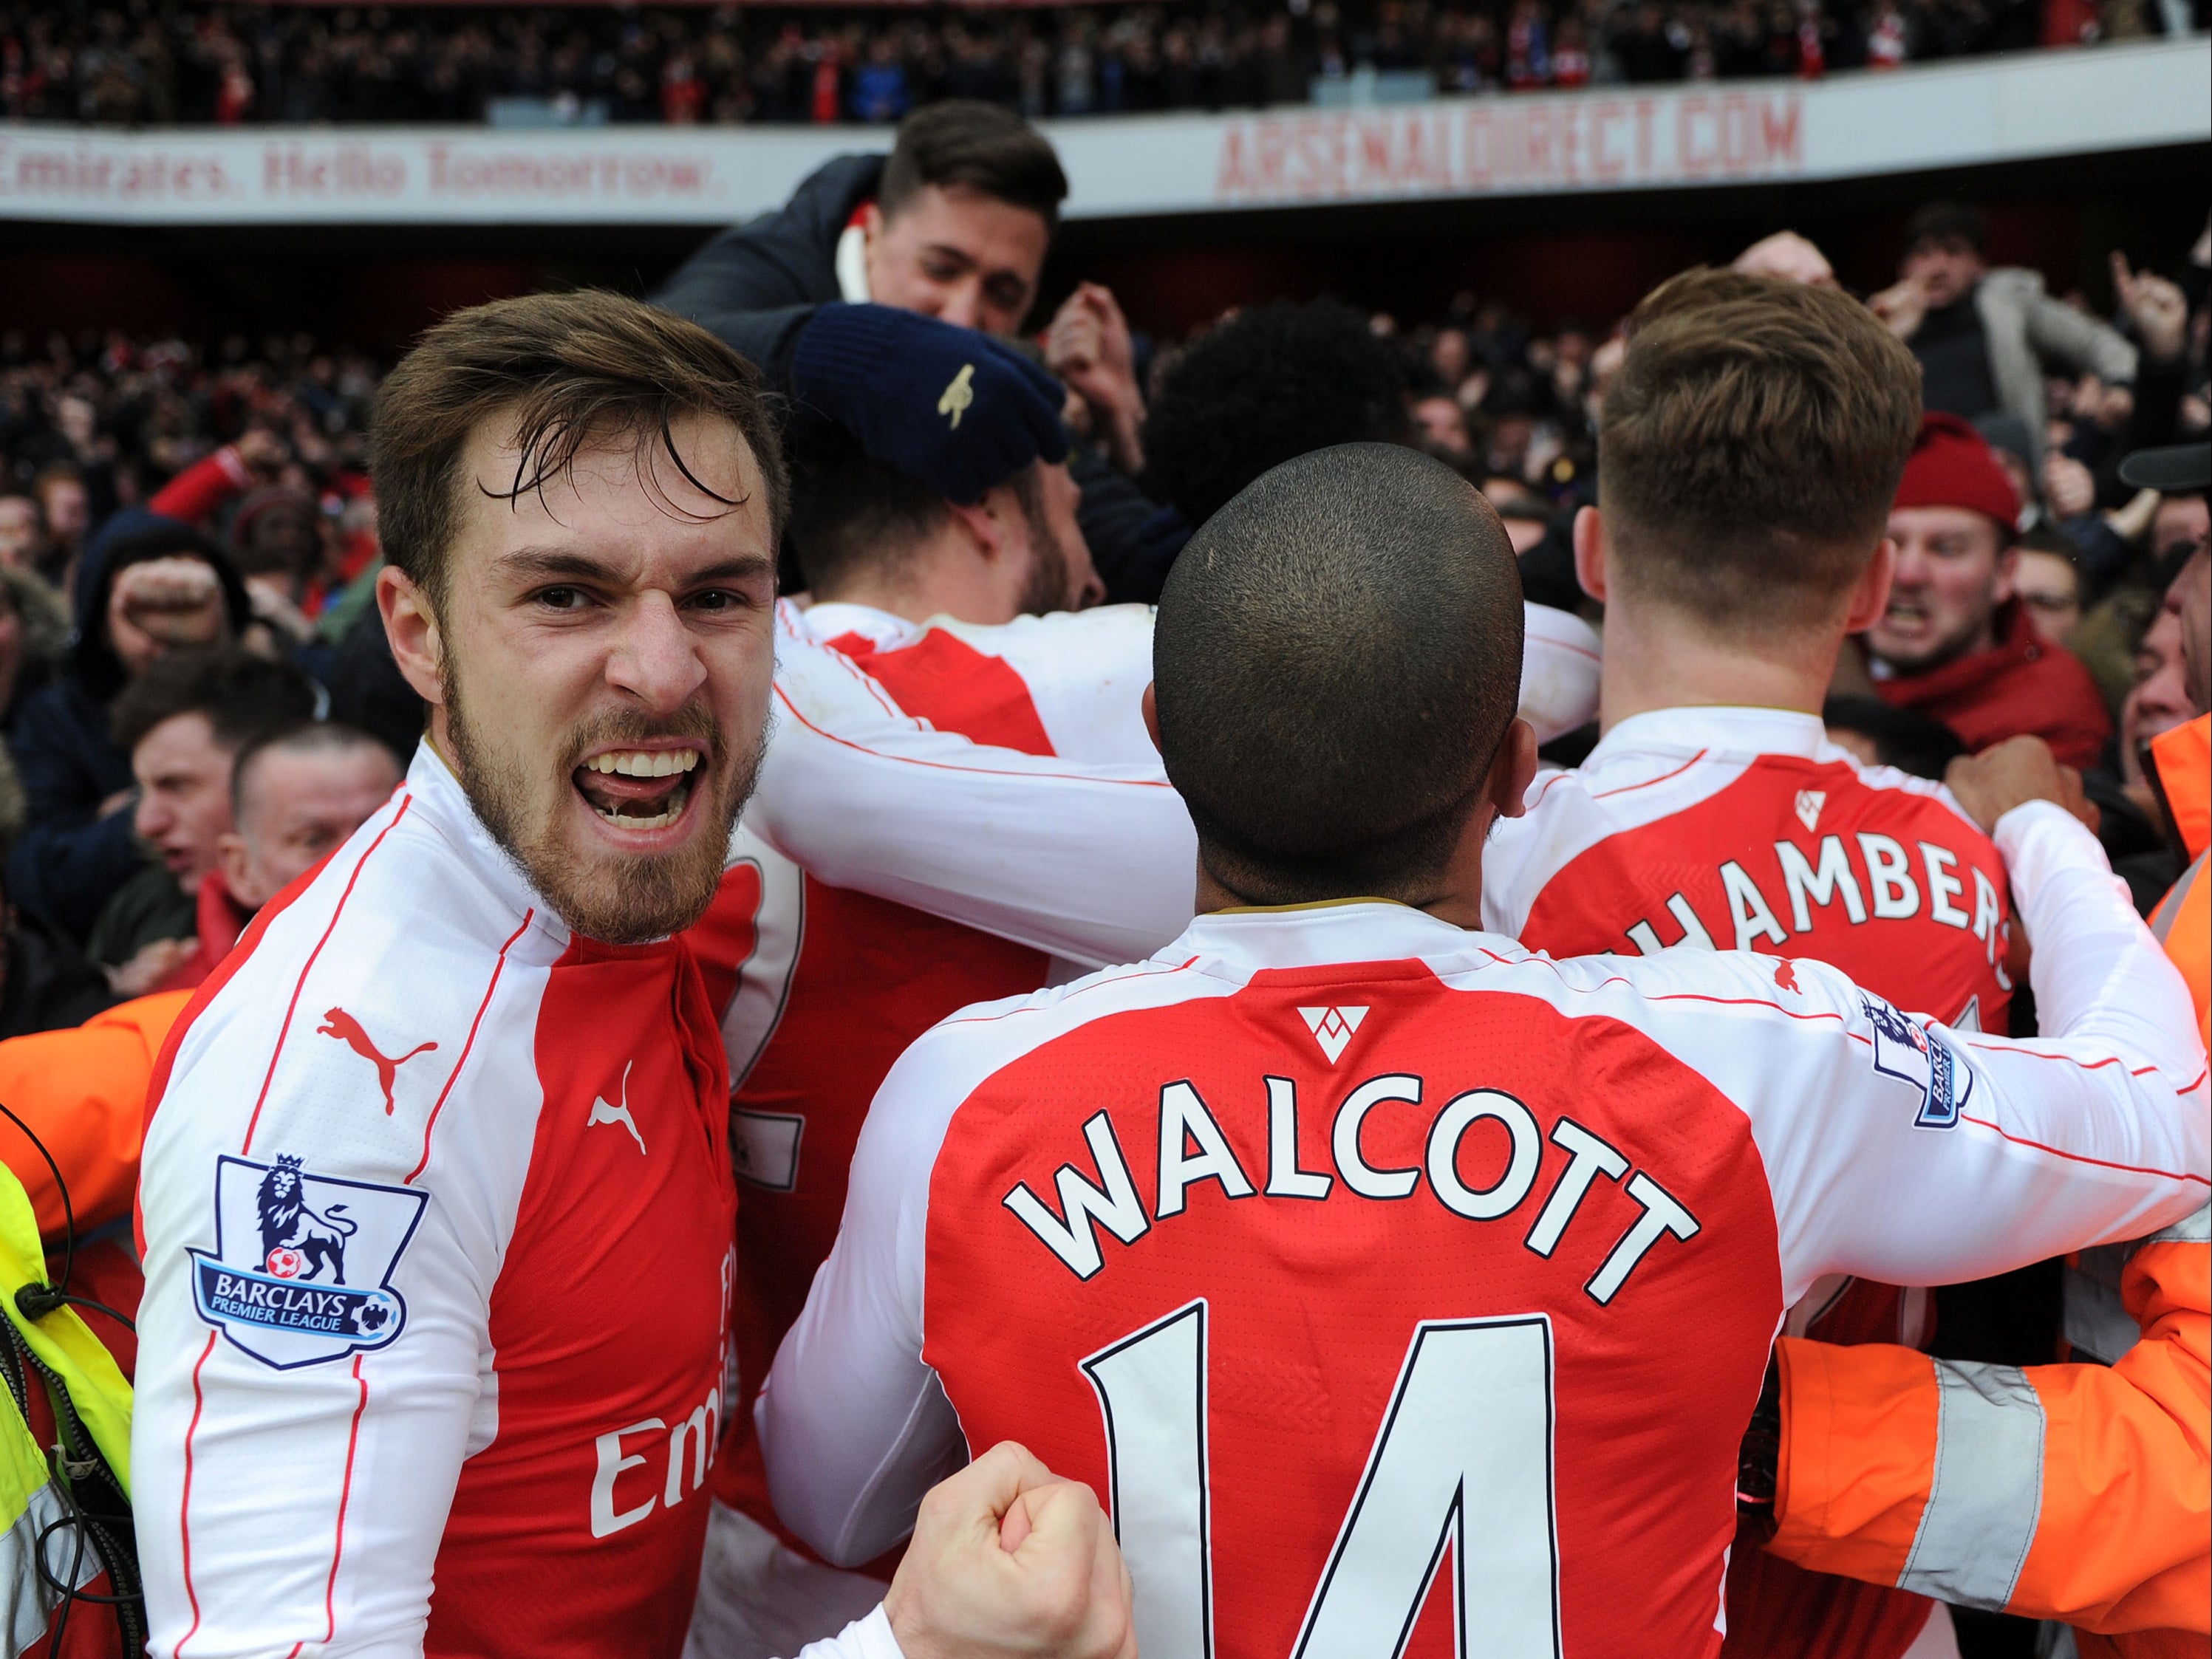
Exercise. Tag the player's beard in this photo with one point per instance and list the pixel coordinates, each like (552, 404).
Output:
(1047, 589)
(622, 899)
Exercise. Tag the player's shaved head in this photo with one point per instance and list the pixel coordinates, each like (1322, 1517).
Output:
(1336, 662)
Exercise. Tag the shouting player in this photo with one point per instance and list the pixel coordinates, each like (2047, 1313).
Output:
(1346, 1249)
(1753, 440)
(436, 1199)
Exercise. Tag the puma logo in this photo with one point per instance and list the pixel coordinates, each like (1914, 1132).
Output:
(347, 1029)
(603, 1113)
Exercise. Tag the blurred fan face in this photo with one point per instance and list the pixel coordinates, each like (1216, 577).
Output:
(2050, 590)
(2189, 599)
(2160, 699)
(298, 806)
(1953, 573)
(184, 795)
(957, 255)
(1061, 574)
(1945, 270)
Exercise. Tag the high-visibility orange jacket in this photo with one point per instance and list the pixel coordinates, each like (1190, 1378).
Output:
(82, 1091)
(2081, 1492)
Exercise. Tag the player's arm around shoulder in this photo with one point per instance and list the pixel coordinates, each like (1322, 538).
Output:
(317, 1287)
(1919, 1154)
(1099, 864)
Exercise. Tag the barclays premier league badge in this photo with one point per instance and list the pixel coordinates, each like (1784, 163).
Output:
(1903, 1051)
(301, 1269)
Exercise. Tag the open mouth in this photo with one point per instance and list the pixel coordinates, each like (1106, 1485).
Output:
(638, 788)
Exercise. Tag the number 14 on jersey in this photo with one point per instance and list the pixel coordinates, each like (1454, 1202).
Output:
(1463, 1458)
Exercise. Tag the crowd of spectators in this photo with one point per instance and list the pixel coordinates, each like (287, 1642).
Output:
(159, 493)
(160, 62)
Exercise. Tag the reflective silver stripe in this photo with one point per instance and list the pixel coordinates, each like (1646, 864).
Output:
(2190, 1230)
(2161, 918)
(2097, 1323)
(1987, 1494)
(25, 1603)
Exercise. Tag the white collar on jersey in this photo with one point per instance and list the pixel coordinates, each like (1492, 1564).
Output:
(1739, 731)
(1315, 935)
(439, 801)
(831, 619)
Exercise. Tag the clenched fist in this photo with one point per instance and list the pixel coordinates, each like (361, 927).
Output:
(1008, 1559)
(2012, 773)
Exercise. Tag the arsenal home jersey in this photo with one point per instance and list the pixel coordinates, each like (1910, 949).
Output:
(1393, 1285)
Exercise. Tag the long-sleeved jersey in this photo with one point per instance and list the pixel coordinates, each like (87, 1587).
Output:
(1332, 1245)
(436, 1212)
(1745, 828)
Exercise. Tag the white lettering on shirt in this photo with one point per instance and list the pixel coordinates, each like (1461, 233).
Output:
(1183, 1118)
(1943, 886)
(1806, 886)
(1075, 1241)
(1444, 1135)
(606, 1520)
(1285, 1178)
(1748, 909)
(1589, 1155)
(703, 1428)
(1646, 937)
(1358, 1175)
(1661, 1215)
(1195, 1147)
(1889, 873)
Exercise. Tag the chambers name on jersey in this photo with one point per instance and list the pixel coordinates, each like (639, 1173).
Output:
(1745, 829)
(436, 1215)
(1385, 1278)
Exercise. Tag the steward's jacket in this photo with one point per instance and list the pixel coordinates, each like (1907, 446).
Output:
(82, 1091)
(2082, 1491)
(64, 1397)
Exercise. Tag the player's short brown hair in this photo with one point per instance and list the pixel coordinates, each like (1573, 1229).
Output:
(1750, 447)
(569, 370)
(982, 146)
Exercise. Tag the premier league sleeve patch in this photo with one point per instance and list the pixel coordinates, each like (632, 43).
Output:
(301, 1270)
(1921, 1059)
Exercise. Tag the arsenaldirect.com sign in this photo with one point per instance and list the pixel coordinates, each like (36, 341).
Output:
(1960, 114)
(1560, 143)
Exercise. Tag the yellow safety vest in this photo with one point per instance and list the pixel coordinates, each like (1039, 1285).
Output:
(89, 1472)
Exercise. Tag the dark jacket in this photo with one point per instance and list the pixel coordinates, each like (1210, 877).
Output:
(48, 983)
(756, 284)
(71, 860)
